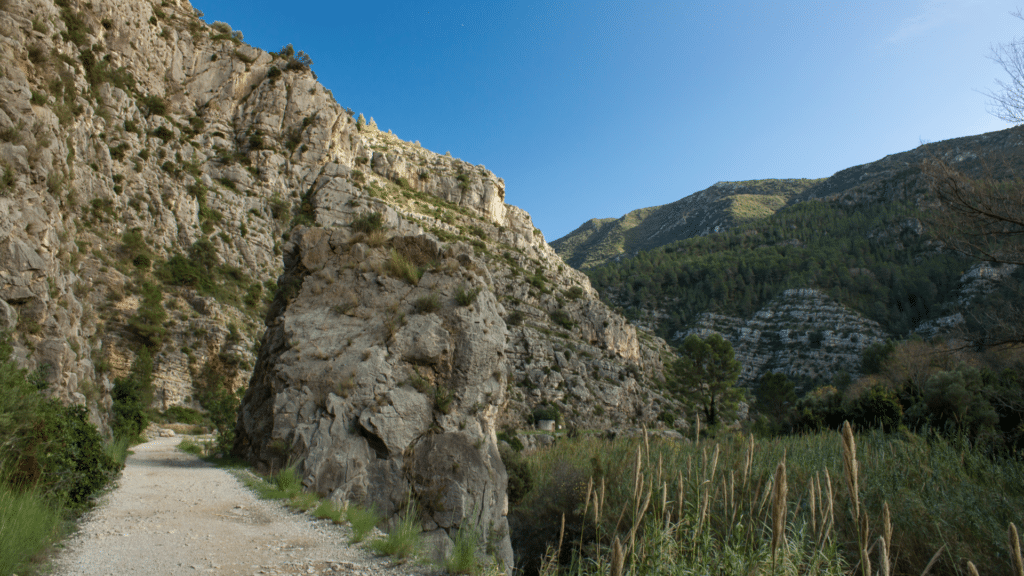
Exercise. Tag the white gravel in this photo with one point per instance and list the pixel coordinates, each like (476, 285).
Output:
(172, 513)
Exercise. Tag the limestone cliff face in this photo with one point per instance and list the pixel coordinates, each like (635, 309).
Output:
(803, 334)
(135, 139)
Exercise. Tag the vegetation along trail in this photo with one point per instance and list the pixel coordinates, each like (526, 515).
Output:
(173, 513)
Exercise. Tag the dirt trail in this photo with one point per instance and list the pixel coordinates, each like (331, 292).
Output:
(172, 513)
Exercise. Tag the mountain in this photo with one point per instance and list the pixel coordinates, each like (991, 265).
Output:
(719, 207)
(331, 295)
(860, 241)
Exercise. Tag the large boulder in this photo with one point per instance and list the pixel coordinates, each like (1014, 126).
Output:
(381, 386)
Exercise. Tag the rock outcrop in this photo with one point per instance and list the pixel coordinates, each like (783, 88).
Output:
(803, 334)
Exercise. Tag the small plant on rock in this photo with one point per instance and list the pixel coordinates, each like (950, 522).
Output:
(465, 296)
(427, 304)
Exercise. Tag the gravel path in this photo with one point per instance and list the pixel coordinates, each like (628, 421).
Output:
(172, 513)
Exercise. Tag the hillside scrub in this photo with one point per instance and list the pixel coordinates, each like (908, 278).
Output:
(52, 462)
(717, 506)
(859, 254)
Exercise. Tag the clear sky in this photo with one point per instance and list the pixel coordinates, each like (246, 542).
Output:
(592, 109)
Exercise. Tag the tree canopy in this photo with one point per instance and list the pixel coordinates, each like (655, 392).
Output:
(706, 376)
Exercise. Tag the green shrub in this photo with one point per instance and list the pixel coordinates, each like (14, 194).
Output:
(183, 415)
(131, 395)
(464, 296)
(368, 222)
(561, 318)
(427, 304)
(191, 447)
(363, 521)
(515, 318)
(164, 133)
(152, 104)
(148, 322)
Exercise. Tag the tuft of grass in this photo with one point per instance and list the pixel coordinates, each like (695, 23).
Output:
(117, 449)
(464, 296)
(29, 522)
(400, 267)
(463, 557)
(363, 521)
(191, 447)
(404, 540)
(427, 304)
(304, 501)
(328, 511)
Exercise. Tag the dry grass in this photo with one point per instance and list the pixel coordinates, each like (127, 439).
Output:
(648, 506)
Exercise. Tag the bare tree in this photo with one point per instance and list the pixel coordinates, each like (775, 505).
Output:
(1007, 103)
(983, 218)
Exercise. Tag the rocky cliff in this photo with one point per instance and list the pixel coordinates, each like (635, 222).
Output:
(165, 184)
(803, 334)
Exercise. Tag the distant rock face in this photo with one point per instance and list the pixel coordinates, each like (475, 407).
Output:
(803, 334)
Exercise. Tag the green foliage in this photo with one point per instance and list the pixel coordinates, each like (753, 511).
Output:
(940, 492)
(706, 375)
(520, 481)
(77, 30)
(164, 133)
(132, 394)
(776, 397)
(368, 222)
(827, 245)
(148, 322)
(427, 304)
(875, 355)
(879, 407)
(152, 104)
(221, 404)
(363, 520)
(328, 511)
(400, 267)
(516, 318)
(574, 293)
(404, 540)
(464, 295)
(29, 521)
(47, 448)
(463, 557)
(183, 415)
(562, 318)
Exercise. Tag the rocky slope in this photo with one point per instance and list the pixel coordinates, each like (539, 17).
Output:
(157, 169)
(719, 207)
(803, 334)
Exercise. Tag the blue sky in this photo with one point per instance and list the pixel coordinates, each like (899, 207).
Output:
(592, 109)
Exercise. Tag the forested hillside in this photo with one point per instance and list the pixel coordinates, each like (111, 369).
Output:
(861, 236)
(721, 206)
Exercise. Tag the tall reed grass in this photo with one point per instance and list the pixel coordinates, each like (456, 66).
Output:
(818, 504)
(29, 522)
